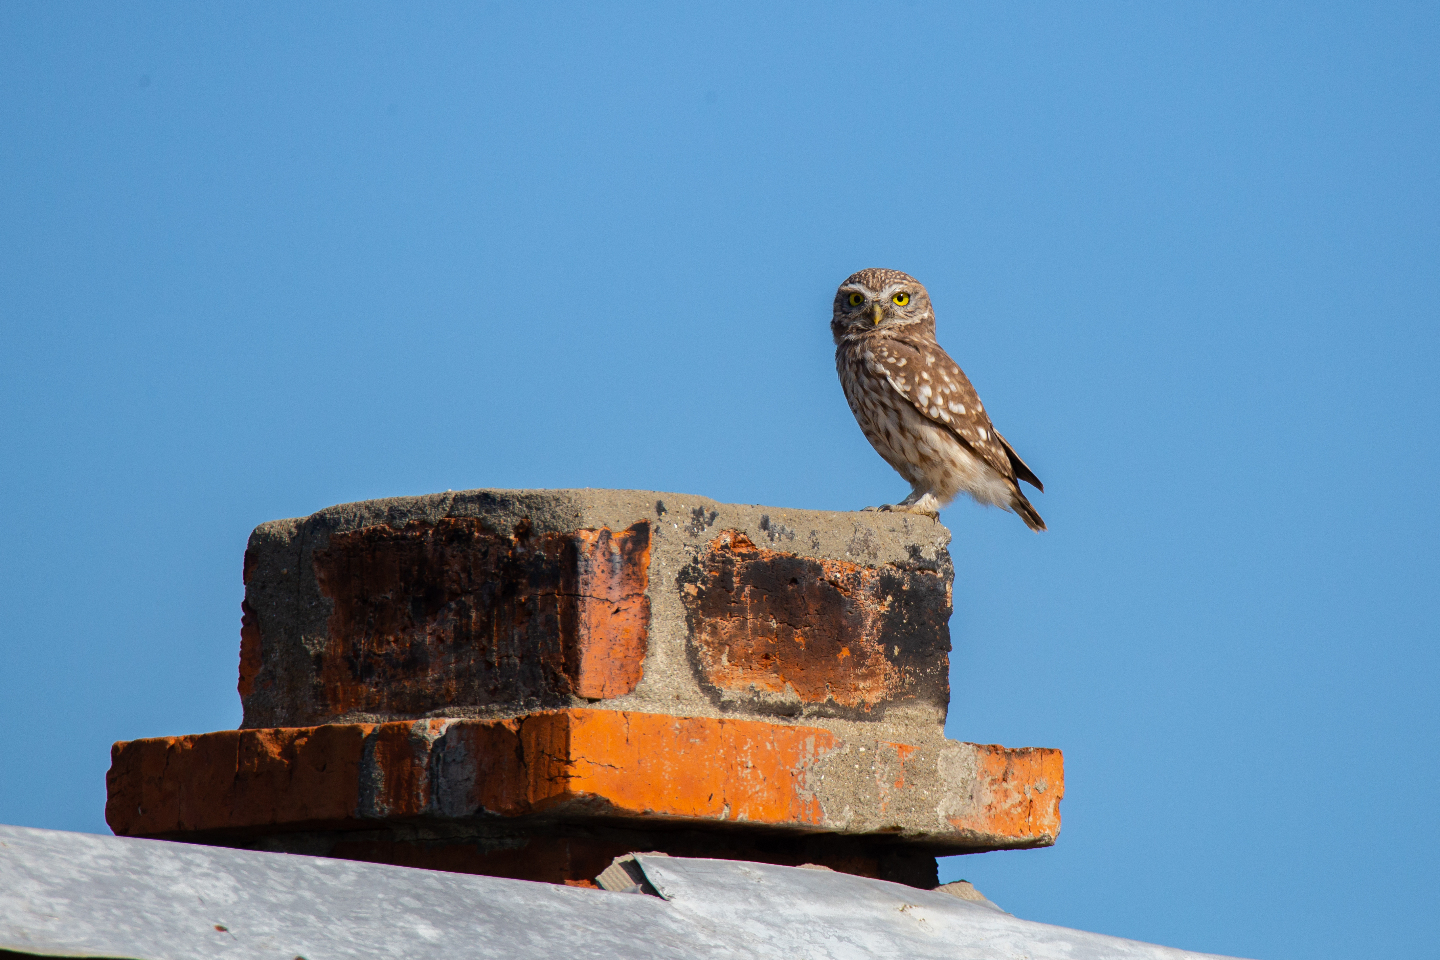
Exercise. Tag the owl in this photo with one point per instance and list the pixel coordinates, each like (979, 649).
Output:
(915, 405)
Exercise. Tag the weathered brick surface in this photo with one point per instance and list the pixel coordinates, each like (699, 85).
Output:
(528, 683)
(452, 613)
(234, 779)
(573, 765)
(768, 627)
(500, 603)
(1017, 793)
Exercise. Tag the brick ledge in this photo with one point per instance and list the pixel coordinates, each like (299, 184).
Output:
(583, 766)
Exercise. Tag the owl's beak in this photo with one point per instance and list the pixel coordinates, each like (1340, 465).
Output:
(879, 312)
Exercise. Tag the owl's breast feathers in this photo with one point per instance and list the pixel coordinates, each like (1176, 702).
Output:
(923, 373)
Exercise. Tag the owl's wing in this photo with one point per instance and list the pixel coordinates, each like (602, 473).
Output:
(923, 373)
(1022, 470)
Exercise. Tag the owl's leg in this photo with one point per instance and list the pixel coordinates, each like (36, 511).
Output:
(920, 501)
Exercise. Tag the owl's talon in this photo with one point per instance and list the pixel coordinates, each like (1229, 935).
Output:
(902, 508)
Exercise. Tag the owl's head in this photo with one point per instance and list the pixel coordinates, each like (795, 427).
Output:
(879, 301)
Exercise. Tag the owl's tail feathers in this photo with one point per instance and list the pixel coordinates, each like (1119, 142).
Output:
(1021, 506)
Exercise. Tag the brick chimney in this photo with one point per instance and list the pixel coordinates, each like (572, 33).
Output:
(531, 683)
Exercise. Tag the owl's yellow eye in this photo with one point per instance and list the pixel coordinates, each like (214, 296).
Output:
(856, 299)
(901, 299)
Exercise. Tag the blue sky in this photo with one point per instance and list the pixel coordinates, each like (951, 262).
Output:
(257, 260)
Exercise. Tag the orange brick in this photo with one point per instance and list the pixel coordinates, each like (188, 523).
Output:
(604, 586)
(1018, 794)
(569, 766)
(832, 632)
(686, 767)
(594, 762)
(235, 779)
(453, 613)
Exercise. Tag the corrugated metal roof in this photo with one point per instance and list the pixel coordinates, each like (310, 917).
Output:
(78, 895)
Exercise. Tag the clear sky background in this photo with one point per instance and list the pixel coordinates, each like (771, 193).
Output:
(256, 260)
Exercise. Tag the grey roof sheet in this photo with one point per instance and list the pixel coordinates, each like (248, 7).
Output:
(79, 895)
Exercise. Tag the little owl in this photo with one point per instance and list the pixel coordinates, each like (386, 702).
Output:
(915, 405)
